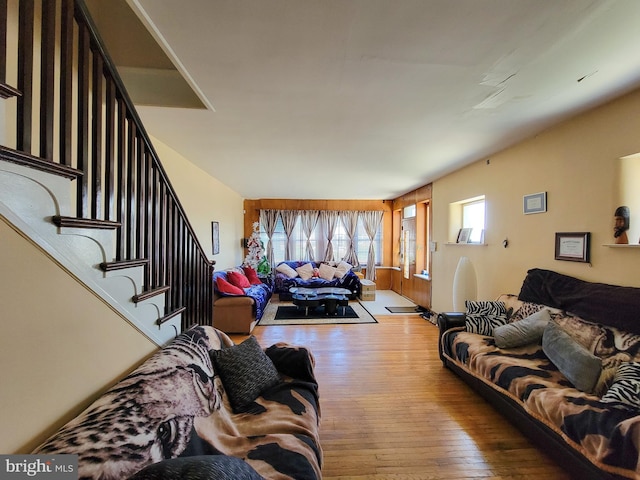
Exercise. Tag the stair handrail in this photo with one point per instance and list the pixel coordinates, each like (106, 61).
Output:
(125, 185)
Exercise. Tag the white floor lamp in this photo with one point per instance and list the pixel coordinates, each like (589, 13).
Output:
(465, 285)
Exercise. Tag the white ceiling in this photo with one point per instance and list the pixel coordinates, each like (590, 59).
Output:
(370, 99)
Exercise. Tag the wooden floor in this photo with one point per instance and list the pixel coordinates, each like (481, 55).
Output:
(391, 411)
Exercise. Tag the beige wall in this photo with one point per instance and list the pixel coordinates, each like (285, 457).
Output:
(577, 163)
(51, 321)
(60, 345)
(205, 199)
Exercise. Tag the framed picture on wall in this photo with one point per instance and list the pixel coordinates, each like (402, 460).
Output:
(215, 237)
(573, 246)
(534, 203)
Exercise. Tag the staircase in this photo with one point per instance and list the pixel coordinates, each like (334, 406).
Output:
(81, 178)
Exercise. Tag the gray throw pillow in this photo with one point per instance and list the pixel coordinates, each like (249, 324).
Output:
(203, 467)
(522, 332)
(574, 361)
(246, 371)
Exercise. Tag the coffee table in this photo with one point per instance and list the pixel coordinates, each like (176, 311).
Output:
(330, 297)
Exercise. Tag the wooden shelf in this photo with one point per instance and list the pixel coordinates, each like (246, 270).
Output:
(622, 245)
(467, 244)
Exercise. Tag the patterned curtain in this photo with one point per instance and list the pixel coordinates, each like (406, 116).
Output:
(329, 221)
(268, 219)
(371, 221)
(350, 223)
(309, 220)
(289, 218)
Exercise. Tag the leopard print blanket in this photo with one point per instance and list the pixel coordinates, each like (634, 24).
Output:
(175, 404)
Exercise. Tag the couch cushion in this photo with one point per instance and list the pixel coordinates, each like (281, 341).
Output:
(626, 385)
(305, 271)
(575, 362)
(483, 316)
(342, 269)
(523, 332)
(525, 310)
(327, 272)
(251, 275)
(604, 432)
(205, 467)
(246, 371)
(227, 288)
(286, 270)
(238, 279)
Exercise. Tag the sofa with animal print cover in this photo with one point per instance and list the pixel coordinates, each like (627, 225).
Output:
(562, 361)
(203, 407)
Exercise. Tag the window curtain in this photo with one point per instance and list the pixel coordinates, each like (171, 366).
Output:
(329, 221)
(371, 221)
(269, 219)
(289, 218)
(309, 220)
(350, 223)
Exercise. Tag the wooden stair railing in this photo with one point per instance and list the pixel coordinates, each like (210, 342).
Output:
(74, 118)
(21, 158)
(7, 91)
(76, 222)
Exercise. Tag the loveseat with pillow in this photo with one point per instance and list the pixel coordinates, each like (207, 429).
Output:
(239, 299)
(562, 361)
(204, 408)
(314, 275)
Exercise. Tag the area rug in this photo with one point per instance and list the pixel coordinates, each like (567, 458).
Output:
(291, 312)
(412, 309)
(360, 315)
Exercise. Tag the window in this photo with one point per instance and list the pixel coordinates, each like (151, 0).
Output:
(473, 217)
(340, 242)
(279, 241)
(467, 220)
(409, 211)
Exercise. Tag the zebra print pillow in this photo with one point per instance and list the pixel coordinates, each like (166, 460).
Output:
(483, 316)
(626, 385)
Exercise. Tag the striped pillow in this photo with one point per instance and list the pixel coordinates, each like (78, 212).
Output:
(626, 385)
(483, 316)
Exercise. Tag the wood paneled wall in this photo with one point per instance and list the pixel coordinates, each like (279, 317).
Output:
(421, 194)
(252, 213)
(414, 288)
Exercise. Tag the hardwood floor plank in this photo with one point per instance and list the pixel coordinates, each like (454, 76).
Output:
(391, 411)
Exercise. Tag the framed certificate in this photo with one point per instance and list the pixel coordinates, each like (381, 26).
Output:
(534, 203)
(573, 247)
